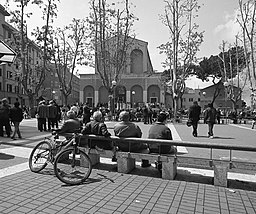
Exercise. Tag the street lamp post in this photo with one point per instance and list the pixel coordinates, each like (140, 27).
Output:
(133, 98)
(204, 94)
(226, 84)
(113, 86)
(252, 97)
(53, 94)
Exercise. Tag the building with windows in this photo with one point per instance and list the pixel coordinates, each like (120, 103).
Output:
(189, 96)
(11, 74)
(139, 84)
(222, 101)
(51, 88)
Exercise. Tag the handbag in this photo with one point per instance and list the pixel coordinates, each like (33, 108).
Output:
(189, 122)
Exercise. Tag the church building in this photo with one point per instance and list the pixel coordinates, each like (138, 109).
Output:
(138, 85)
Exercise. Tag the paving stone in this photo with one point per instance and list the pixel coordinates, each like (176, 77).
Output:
(128, 194)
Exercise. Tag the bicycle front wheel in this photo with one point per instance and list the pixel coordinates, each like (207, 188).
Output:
(40, 156)
(72, 167)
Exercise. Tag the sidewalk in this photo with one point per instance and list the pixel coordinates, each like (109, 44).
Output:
(111, 192)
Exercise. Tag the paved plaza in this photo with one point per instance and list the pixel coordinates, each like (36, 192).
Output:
(142, 191)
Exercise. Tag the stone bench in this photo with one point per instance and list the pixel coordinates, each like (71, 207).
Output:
(126, 160)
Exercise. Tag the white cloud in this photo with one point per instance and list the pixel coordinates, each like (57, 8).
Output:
(229, 29)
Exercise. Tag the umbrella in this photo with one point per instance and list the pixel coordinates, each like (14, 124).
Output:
(7, 55)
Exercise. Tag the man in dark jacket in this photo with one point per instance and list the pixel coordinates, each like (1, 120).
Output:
(194, 116)
(210, 118)
(71, 125)
(16, 116)
(160, 131)
(52, 115)
(98, 127)
(125, 128)
(86, 114)
(4, 118)
(42, 114)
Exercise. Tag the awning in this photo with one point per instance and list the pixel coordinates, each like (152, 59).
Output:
(7, 55)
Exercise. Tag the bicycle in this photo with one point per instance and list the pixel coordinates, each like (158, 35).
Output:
(71, 164)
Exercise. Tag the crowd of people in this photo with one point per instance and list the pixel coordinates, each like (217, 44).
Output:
(124, 127)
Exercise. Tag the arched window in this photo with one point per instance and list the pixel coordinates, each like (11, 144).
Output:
(89, 95)
(137, 61)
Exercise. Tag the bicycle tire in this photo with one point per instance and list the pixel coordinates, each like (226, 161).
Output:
(72, 169)
(40, 156)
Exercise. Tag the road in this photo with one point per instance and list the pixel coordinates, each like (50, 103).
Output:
(235, 134)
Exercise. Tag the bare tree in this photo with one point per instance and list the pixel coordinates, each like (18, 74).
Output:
(69, 50)
(246, 20)
(32, 77)
(179, 16)
(112, 36)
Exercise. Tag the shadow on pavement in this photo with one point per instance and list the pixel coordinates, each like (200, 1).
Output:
(182, 175)
(215, 137)
(4, 156)
(88, 181)
(244, 185)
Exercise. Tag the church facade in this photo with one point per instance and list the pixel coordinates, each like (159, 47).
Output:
(138, 85)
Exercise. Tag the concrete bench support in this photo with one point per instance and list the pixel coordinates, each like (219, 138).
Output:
(221, 175)
(125, 164)
(95, 158)
(169, 169)
(93, 155)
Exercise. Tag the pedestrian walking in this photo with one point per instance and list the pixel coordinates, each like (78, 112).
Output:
(150, 115)
(52, 115)
(86, 114)
(145, 114)
(210, 118)
(16, 116)
(4, 118)
(194, 117)
(42, 113)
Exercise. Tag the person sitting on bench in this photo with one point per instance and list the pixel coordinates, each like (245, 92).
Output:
(160, 131)
(71, 125)
(125, 128)
(98, 127)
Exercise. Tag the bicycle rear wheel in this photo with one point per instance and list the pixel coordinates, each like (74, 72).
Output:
(40, 156)
(72, 167)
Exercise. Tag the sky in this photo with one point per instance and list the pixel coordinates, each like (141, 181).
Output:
(215, 18)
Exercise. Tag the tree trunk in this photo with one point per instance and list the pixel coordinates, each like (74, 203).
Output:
(31, 106)
(65, 99)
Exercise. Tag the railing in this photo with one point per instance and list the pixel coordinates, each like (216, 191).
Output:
(211, 146)
(171, 161)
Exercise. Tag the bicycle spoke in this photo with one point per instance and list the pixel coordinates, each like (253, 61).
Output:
(72, 169)
(40, 156)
